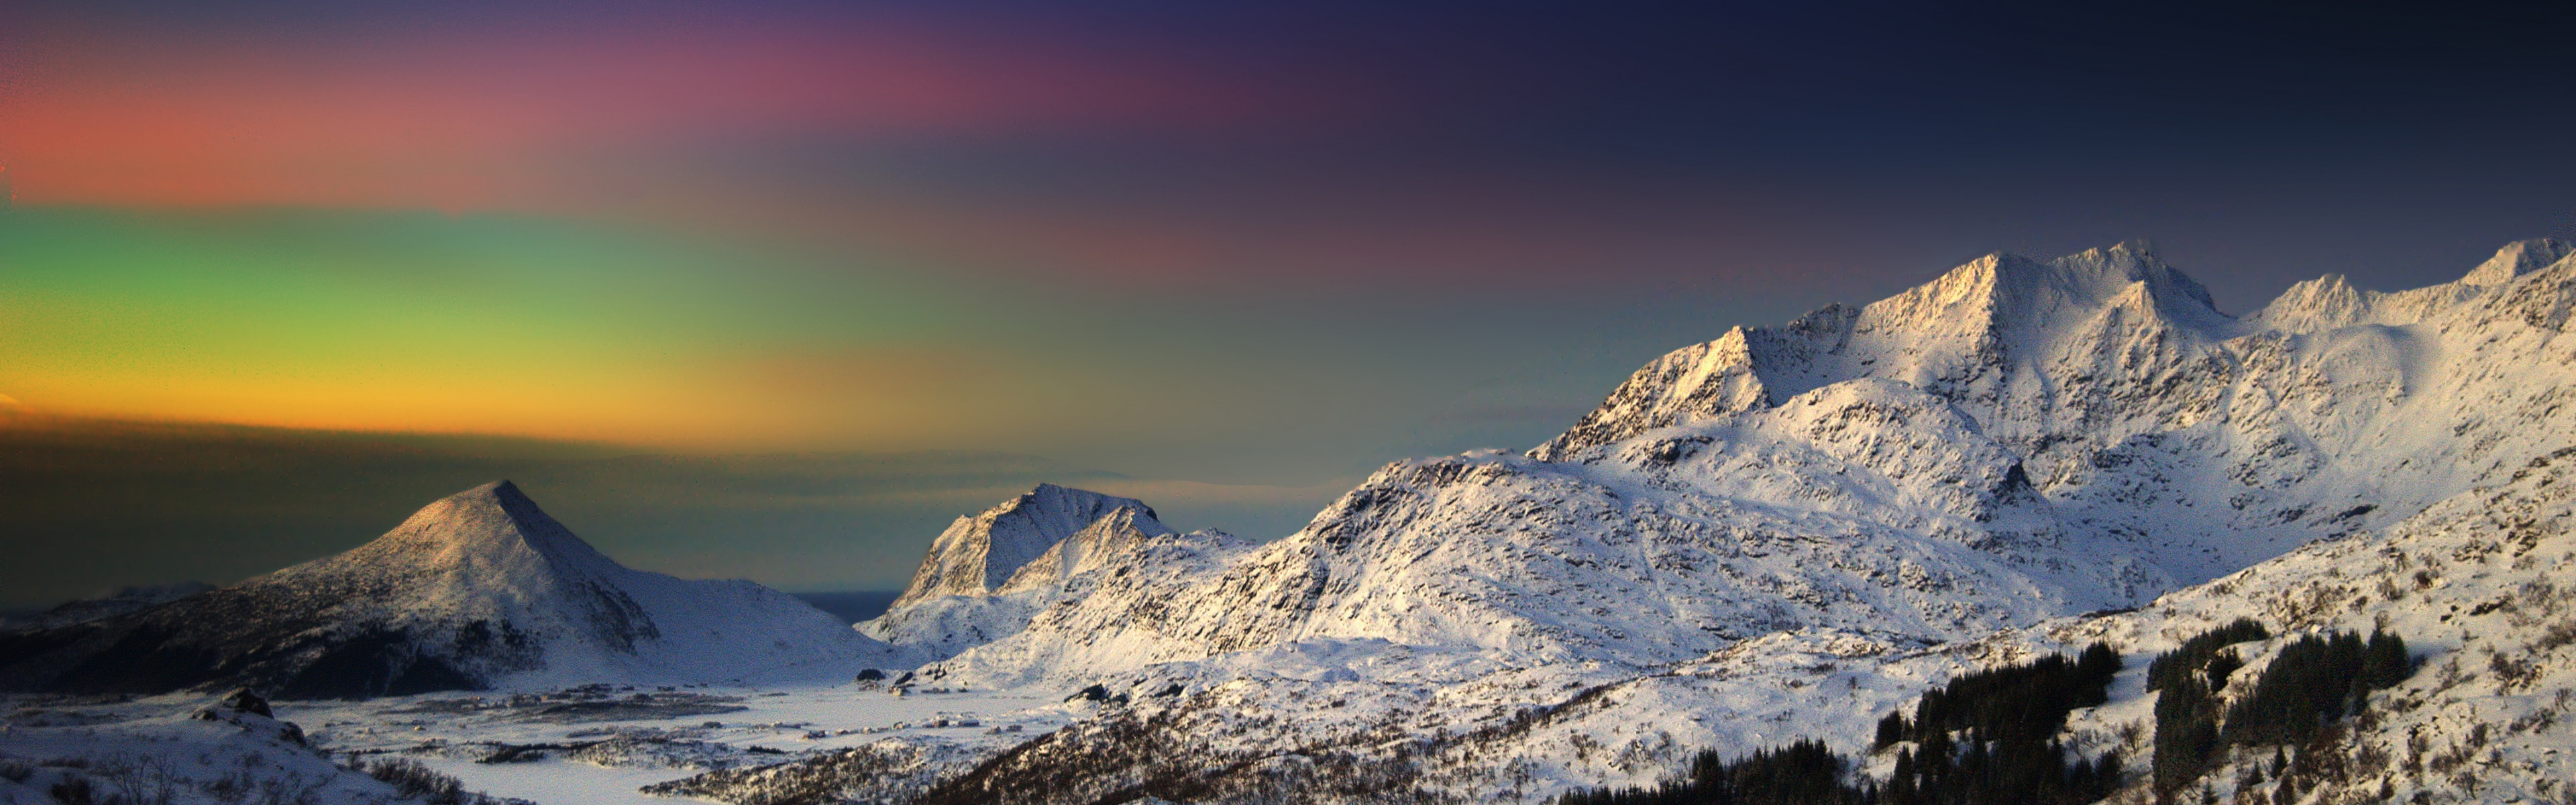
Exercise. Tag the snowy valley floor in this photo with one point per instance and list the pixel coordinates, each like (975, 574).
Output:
(585, 746)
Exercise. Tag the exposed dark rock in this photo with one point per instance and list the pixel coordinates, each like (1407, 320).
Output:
(242, 699)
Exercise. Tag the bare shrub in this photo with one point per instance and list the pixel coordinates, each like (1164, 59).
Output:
(288, 790)
(2558, 634)
(2512, 673)
(2534, 721)
(2450, 676)
(414, 779)
(233, 787)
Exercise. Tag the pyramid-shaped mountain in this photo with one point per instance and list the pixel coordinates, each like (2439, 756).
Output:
(478, 590)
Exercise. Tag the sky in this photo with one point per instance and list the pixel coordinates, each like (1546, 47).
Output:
(773, 289)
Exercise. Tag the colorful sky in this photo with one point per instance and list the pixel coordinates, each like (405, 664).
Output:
(1234, 255)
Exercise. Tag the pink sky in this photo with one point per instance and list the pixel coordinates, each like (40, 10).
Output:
(500, 121)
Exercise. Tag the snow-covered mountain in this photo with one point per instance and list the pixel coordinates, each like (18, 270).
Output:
(1788, 531)
(978, 555)
(989, 575)
(2474, 585)
(2012, 441)
(480, 589)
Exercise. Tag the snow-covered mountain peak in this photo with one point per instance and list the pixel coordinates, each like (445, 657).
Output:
(2331, 302)
(2323, 303)
(1983, 334)
(977, 555)
(988, 576)
(476, 590)
(2003, 291)
(1111, 537)
(493, 527)
(2516, 259)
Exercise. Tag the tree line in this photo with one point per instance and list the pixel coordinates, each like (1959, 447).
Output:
(2314, 681)
(1984, 737)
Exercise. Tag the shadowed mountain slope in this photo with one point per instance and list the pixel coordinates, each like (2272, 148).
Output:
(477, 590)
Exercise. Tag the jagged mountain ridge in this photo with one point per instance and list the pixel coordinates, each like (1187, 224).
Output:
(1971, 336)
(965, 595)
(2012, 441)
(476, 590)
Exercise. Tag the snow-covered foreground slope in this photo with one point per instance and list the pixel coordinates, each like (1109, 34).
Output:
(2476, 585)
(2479, 588)
(480, 589)
(2013, 441)
(172, 750)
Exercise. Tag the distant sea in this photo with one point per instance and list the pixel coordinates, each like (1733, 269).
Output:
(852, 606)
